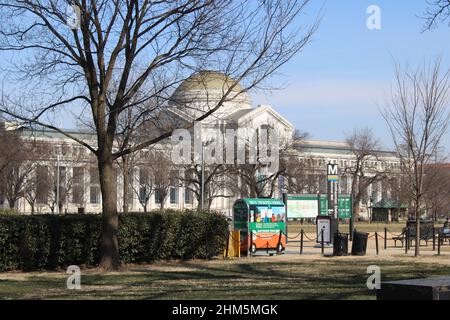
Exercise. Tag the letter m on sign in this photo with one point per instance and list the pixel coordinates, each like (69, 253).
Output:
(332, 169)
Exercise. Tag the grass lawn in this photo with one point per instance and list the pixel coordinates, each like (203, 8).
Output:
(279, 277)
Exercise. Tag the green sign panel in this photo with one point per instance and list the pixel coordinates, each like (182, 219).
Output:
(263, 202)
(263, 215)
(270, 227)
(323, 205)
(344, 206)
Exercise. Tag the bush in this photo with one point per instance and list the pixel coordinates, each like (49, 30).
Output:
(8, 212)
(50, 242)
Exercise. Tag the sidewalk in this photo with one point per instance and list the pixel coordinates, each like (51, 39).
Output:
(293, 247)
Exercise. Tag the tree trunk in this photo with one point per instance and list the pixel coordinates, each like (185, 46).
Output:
(126, 183)
(110, 259)
(356, 199)
(356, 209)
(417, 244)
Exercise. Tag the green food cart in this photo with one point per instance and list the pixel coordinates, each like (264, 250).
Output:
(265, 220)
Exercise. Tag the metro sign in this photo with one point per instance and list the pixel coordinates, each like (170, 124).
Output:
(332, 172)
(332, 189)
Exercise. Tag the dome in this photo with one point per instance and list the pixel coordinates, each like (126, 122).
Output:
(208, 80)
(202, 92)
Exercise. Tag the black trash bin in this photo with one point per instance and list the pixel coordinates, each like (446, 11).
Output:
(359, 244)
(340, 244)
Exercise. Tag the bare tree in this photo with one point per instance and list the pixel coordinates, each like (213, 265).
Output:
(217, 179)
(438, 11)
(304, 175)
(133, 128)
(437, 190)
(399, 189)
(257, 179)
(36, 182)
(163, 174)
(113, 50)
(418, 117)
(365, 169)
(17, 164)
(147, 173)
(9, 143)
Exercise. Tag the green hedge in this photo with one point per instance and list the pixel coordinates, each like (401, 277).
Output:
(50, 242)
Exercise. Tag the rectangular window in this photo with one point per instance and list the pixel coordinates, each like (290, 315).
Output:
(62, 175)
(144, 176)
(188, 196)
(78, 194)
(143, 193)
(43, 184)
(174, 195)
(94, 176)
(78, 175)
(94, 195)
(157, 196)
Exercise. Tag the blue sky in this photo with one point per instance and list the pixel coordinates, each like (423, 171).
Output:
(339, 81)
(342, 77)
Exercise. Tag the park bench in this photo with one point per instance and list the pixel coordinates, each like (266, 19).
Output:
(444, 232)
(401, 237)
(426, 233)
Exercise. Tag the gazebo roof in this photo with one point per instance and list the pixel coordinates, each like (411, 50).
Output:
(388, 204)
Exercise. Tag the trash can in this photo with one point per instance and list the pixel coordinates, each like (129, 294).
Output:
(359, 244)
(340, 244)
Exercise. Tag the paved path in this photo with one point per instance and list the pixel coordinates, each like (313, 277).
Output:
(293, 247)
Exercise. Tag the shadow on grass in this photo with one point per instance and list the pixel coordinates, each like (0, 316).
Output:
(309, 279)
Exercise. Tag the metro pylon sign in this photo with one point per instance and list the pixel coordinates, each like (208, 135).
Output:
(332, 189)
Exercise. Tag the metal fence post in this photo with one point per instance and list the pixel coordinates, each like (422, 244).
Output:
(434, 239)
(376, 241)
(406, 240)
(439, 244)
(279, 240)
(251, 244)
(228, 244)
(322, 242)
(301, 241)
(385, 238)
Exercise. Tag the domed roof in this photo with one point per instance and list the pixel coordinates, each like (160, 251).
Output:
(209, 80)
(204, 90)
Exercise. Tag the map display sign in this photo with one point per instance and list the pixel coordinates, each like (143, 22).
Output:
(302, 206)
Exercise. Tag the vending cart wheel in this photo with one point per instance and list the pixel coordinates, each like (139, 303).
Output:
(280, 247)
(253, 248)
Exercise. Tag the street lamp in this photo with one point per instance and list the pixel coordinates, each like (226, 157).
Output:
(57, 183)
(203, 177)
(371, 199)
(201, 168)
